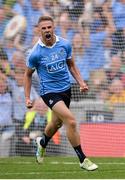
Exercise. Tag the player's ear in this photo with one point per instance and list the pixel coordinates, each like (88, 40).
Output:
(39, 30)
(39, 26)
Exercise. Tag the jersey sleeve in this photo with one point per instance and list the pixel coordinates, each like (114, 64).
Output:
(31, 60)
(69, 51)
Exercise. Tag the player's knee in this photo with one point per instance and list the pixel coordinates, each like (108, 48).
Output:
(72, 124)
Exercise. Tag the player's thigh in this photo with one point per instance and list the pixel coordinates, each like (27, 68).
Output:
(63, 112)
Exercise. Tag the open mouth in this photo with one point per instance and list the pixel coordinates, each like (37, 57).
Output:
(48, 36)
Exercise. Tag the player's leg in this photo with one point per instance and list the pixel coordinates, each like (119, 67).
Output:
(50, 130)
(53, 125)
(69, 121)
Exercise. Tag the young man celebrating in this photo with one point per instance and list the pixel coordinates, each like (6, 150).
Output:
(52, 58)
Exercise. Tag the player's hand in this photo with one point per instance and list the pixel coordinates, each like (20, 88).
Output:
(29, 103)
(83, 87)
(26, 139)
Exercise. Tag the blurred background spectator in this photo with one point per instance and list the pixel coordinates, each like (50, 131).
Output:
(64, 27)
(118, 14)
(97, 82)
(117, 93)
(3, 21)
(4, 63)
(6, 122)
(114, 70)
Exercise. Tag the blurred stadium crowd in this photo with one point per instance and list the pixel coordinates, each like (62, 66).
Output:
(96, 29)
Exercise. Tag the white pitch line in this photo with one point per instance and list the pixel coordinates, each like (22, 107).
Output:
(32, 173)
(67, 163)
(40, 173)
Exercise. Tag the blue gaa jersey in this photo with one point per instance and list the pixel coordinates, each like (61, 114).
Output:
(51, 65)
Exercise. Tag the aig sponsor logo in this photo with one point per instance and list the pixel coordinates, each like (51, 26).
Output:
(55, 66)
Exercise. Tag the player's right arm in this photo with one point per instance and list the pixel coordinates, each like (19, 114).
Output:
(27, 86)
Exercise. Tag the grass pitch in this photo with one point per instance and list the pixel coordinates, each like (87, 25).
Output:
(60, 168)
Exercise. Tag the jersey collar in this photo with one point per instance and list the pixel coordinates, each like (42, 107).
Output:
(43, 45)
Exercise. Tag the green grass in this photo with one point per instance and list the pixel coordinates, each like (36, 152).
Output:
(60, 168)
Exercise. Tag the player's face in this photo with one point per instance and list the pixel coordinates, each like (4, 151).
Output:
(46, 31)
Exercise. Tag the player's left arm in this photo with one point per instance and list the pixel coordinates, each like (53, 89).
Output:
(27, 86)
(76, 74)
